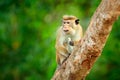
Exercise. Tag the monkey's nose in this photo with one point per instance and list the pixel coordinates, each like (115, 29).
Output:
(66, 30)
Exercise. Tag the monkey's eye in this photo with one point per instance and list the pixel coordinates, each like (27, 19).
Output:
(68, 22)
(64, 22)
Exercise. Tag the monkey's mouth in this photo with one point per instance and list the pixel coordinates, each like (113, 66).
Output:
(66, 30)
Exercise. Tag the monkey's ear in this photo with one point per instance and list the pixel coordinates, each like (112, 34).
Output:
(77, 21)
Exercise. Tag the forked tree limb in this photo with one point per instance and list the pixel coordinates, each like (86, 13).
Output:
(79, 63)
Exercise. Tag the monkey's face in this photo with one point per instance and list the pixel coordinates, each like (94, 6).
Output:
(68, 26)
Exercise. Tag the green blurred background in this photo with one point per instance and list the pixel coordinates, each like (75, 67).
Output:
(27, 39)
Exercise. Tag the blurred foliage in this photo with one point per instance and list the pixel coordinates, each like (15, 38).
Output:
(27, 39)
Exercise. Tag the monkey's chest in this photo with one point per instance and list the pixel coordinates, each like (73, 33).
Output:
(68, 45)
(70, 48)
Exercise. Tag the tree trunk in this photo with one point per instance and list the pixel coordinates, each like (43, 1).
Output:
(79, 63)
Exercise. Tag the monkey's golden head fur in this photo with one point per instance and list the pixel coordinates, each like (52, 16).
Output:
(69, 17)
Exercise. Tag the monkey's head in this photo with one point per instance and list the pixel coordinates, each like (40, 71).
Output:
(69, 24)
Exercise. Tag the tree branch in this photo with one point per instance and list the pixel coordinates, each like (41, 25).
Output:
(79, 63)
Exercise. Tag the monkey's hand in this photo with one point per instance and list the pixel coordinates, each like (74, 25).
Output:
(70, 42)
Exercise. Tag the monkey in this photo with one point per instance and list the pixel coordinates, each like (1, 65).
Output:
(68, 35)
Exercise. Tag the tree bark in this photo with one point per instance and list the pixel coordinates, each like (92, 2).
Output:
(79, 63)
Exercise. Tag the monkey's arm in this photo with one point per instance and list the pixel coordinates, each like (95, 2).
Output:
(61, 49)
(61, 43)
(77, 37)
(61, 54)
